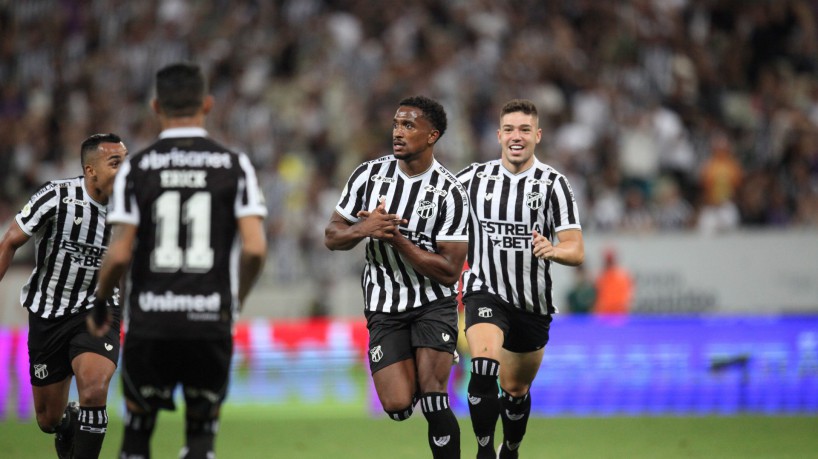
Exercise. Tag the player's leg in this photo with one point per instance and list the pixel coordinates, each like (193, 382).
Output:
(516, 375)
(434, 336)
(485, 324)
(396, 386)
(93, 374)
(93, 361)
(147, 390)
(521, 358)
(485, 342)
(205, 377)
(392, 363)
(54, 415)
(50, 374)
(434, 368)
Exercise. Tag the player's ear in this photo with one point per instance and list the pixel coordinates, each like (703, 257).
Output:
(155, 106)
(207, 104)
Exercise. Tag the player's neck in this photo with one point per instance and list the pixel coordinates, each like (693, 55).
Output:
(182, 122)
(416, 166)
(96, 194)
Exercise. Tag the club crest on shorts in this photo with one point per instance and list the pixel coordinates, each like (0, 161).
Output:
(426, 209)
(534, 200)
(40, 370)
(376, 354)
(485, 312)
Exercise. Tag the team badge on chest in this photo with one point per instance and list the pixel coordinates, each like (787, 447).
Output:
(425, 209)
(534, 200)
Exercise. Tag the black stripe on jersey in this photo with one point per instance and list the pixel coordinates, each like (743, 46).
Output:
(520, 257)
(567, 193)
(492, 266)
(414, 191)
(361, 192)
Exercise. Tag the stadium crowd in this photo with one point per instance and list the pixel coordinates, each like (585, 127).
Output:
(666, 115)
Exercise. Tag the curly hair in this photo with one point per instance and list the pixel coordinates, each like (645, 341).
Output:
(432, 110)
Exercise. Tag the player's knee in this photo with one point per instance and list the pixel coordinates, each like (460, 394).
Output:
(400, 414)
(48, 421)
(94, 394)
(514, 390)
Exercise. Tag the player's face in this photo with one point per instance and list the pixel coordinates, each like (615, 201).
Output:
(412, 134)
(109, 157)
(518, 136)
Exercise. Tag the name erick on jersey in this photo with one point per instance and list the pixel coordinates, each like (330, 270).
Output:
(505, 210)
(436, 207)
(184, 194)
(70, 239)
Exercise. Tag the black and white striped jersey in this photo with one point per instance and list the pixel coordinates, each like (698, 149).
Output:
(70, 239)
(436, 207)
(184, 193)
(505, 210)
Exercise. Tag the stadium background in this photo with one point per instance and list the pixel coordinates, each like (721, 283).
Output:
(688, 129)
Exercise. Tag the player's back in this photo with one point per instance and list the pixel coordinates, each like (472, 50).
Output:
(185, 194)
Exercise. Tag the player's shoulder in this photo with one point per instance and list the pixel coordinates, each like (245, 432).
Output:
(195, 152)
(449, 178)
(53, 185)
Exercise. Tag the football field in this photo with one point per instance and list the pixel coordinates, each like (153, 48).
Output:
(291, 431)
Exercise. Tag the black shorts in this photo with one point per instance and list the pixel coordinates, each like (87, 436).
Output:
(523, 331)
(53, 344)
(394, 337)
(152, 368)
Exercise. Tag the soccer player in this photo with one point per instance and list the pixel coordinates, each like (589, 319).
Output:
(413, 215)
(178, 208)
(518, 205)
(67, 220)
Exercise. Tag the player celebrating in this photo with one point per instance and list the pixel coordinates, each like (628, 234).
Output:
(177, 209)
(67, 220)
(517, 205)
(412, 212)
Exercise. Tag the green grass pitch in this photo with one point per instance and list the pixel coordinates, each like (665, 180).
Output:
(307, 432)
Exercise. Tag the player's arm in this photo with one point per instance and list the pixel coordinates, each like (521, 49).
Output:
(570, 250)
(114, 264)
(12, 240)
(253, 253)
(443, 267)
(341, 234)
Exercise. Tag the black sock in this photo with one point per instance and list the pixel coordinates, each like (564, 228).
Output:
(514, 412)
(444, 432)
(200, 437)
(137, 437)
(89, 432)
(484, 406)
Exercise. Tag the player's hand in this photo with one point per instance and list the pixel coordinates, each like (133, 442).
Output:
(380, 225)
(100, 319)
(542, 247)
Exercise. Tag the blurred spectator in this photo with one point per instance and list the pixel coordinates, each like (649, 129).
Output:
(632, 93)
(582, 294)
(721, 177)
(614, 287)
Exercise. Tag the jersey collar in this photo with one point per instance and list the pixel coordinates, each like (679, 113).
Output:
(183, 132)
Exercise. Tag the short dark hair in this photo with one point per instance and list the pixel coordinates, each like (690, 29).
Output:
(180, 89)
(91, 144)
(431, 109)
(519, 105)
